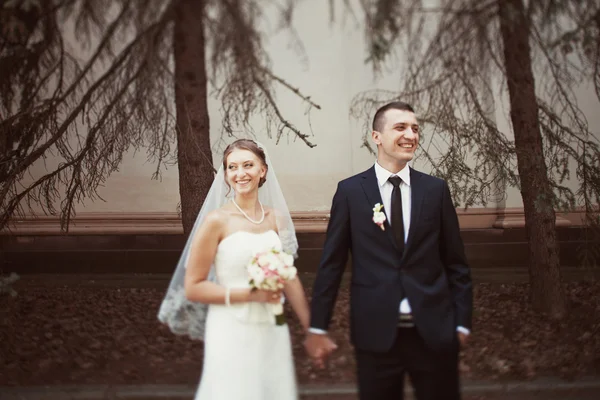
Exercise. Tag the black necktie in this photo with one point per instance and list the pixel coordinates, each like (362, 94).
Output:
(397, 219)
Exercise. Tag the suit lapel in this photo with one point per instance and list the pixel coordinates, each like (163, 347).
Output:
(371, 188)
(417, 194)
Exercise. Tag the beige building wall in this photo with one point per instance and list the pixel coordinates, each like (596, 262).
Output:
(332, 71)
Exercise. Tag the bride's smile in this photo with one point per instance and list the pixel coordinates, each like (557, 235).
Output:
(245, 171)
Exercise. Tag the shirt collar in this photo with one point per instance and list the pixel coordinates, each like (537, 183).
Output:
(383, 174)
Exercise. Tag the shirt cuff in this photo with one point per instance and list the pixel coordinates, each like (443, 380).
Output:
(463, 330)
(317, 331)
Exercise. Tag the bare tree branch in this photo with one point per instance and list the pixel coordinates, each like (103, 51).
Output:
(86, 103)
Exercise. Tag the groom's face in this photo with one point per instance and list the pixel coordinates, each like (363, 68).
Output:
(397, 137)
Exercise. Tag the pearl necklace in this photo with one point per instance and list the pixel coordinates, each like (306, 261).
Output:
(246, 215)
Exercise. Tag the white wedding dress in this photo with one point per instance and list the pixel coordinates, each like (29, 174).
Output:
(246, 356)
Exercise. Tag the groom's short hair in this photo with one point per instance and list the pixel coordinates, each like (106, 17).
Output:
(379, 118)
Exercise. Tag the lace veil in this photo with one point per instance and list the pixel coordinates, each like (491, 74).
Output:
(184, 317)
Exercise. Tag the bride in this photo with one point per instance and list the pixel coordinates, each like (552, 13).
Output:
(246, 355)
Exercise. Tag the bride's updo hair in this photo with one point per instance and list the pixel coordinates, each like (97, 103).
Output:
(250, 145)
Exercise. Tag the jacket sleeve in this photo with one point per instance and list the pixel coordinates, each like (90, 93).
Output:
(455, 262)
(333, 262)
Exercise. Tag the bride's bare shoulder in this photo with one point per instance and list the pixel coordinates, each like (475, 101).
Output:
(275, 217)
(268, 210)
(217, 218)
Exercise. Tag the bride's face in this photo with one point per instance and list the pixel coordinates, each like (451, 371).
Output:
(244, 171)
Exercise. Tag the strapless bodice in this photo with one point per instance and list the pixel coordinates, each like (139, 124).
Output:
(234, 253)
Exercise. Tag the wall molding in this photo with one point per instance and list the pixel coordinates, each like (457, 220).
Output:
(515, 218)
(109, 223)
(105, 223)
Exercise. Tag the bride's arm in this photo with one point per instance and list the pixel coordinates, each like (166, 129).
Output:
(202, 255)
(294, 292)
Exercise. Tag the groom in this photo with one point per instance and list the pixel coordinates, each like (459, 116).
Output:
(410, 291)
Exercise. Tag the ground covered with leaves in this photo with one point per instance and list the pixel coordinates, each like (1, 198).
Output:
(56, 333)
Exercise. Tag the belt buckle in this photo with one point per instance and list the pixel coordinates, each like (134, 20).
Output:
(405, 321)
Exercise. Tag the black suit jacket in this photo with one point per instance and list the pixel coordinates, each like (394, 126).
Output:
(433, 269)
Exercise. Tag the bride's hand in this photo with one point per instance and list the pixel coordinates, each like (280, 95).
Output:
(265, 296)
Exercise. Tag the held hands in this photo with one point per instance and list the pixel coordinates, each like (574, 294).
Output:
(319, 347)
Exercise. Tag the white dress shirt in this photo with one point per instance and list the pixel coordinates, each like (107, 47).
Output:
(385, 189)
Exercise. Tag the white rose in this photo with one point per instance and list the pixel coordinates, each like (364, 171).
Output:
(263, 259)
(288, 259)
(275, 262)
(256, 274)
(379, 218)
(269, 259)
(288, 273)
(293, 272)
(273, 284)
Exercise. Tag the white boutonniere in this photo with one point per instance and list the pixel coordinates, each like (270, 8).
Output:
(379, 216)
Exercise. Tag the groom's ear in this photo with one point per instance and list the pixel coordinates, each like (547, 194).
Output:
(376, 135)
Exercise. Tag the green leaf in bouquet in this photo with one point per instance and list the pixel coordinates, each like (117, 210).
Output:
(280, 319)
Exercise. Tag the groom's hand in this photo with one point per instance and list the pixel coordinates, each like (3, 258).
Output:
(318, 347)
(463, 338)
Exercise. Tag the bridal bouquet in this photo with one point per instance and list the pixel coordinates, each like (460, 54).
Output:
(268, 270)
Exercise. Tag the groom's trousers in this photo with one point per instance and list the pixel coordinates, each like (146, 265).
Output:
(433, 374)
